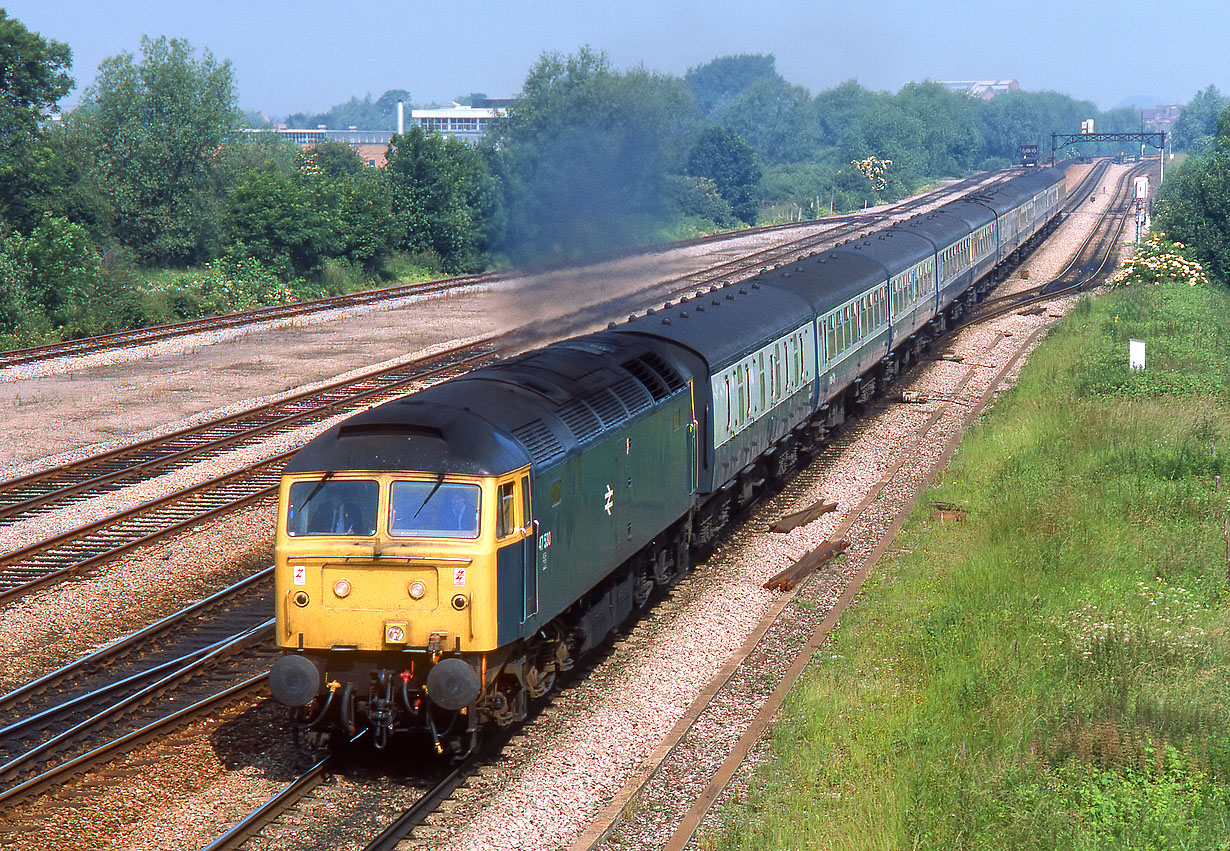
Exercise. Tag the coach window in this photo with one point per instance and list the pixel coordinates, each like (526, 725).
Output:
(760, 381)
(743, 395)
(750, 379)
(727, 379)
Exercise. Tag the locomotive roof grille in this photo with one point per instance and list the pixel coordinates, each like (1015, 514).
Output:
(607, 406)
(580, 419)
(634, 395)
(644, 373)
(538, 440)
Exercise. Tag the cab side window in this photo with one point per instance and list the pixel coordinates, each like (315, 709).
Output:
(525, 502)
(505, 522)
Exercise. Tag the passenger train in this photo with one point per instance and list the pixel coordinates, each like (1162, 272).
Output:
(442, 557)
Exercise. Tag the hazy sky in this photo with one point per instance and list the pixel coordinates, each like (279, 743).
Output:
(308, 55)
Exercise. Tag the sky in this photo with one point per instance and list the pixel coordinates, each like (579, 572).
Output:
(309, 55)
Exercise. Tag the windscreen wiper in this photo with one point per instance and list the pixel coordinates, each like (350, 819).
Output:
(439, 482)
(316, 489)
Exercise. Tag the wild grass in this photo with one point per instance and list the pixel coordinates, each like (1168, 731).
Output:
(1053, 672)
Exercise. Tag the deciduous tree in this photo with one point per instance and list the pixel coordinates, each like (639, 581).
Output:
(1195, 203)
(584, 154)
(1197, 125)
(33, 76)
(158, 125)
(443, 197)
(722, 156)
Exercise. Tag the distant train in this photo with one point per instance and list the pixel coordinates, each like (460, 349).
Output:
(440, 558)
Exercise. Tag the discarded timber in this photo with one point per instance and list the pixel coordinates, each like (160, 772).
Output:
(801, 518)
(789, 577)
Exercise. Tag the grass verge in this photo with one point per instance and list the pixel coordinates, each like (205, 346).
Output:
(1053, 672)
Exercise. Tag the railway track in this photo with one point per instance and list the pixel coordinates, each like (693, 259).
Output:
(67, 484)
(1087, 264)
(132, 690)
(427, 795)
(158, 333)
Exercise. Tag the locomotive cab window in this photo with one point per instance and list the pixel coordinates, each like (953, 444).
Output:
(434, 510)
(526, 511)
(332, 507)
(506, 504)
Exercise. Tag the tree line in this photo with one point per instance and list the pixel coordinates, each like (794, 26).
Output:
(146, 203)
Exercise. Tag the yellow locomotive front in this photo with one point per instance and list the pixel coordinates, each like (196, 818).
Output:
(387, 599)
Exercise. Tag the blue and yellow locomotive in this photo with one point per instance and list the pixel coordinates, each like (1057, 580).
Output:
(442, 557)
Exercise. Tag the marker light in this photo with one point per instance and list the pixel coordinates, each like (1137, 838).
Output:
(417, 590)
(341, 588)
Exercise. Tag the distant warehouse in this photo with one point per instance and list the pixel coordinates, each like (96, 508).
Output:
(467, 123)
(981, 89)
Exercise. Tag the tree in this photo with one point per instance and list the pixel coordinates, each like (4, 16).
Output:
(16, 310)
(287, 221)
(1195, 205)
(361, 114)
(1197, 124)
(368, 226)
(722, 156)
(839, 109)
(698, 198)
(331, 159)
(776, 118)
(717, 83)
(386, 108)
(584, 154)
(33, 76)
(443, 197)
(952, 134)
(157, 128)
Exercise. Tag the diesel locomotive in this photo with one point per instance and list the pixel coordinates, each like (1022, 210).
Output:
(441, 558)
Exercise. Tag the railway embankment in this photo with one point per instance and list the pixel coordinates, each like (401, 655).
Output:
(1042, 660)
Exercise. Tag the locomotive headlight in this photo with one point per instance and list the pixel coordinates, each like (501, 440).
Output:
(417, 590)
(394, 633)
(341, 588)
